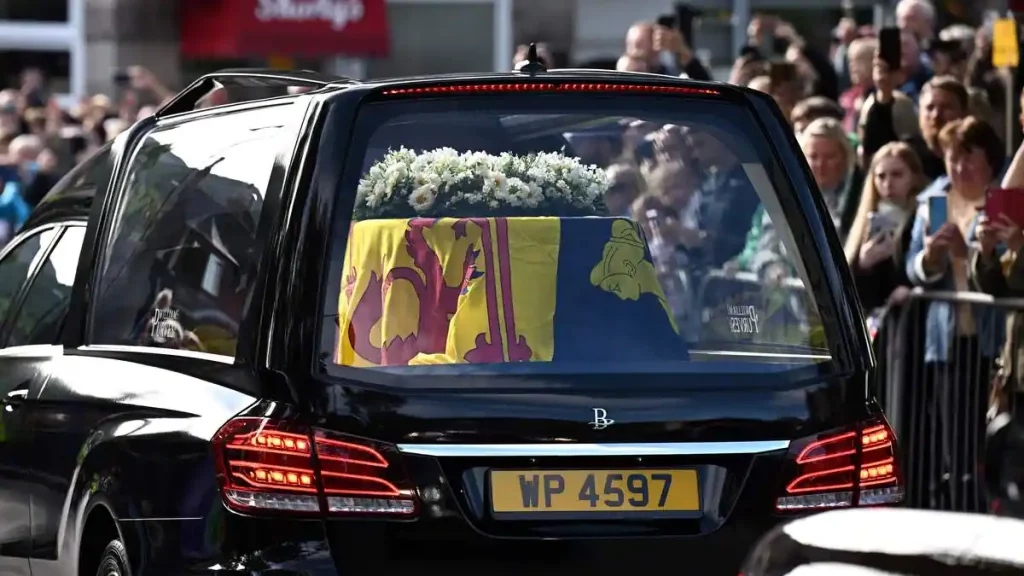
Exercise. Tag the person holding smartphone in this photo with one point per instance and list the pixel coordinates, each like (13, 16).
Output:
(880, 233)
(961, 341)
(998, 269)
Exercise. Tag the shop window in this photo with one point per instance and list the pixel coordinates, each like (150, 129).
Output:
(471, 50)
(56, 66)
(34, 10)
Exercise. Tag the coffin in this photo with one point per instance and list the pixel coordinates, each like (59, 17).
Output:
(501, 290)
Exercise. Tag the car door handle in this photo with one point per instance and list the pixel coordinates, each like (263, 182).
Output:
(15, 397)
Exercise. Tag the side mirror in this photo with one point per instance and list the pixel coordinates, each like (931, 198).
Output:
(1004, 465)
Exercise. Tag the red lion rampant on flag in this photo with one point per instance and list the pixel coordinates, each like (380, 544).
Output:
(438, 301)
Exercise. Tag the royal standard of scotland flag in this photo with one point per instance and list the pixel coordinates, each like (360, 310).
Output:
(494, 290)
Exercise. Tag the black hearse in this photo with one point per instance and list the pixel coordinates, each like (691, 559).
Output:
(421, 324)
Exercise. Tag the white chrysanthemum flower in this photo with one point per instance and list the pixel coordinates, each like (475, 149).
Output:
(445, 176)
(424, 178)
(397, 171)
(376, 195)
(522, 194)
(365, 186)
(422, 198)
(496, 183)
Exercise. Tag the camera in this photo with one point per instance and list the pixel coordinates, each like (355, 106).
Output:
(682, 18)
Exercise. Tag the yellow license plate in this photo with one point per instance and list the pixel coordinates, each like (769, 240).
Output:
(520, 491)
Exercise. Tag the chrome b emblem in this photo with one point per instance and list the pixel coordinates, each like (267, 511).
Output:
(601, 419)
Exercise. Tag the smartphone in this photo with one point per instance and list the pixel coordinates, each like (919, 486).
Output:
(767, 46)
(667, 21)
(890, 47)
(1007, 202)
(848, 12)
(751, 52)
(686, 19)
(937, 214)
(782, 72)
(122, 78)
(645, 149)
(876, 225)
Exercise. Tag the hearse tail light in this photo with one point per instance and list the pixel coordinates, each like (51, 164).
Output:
(562, 87)
(268, 465)
(361, 478)
(855, 467)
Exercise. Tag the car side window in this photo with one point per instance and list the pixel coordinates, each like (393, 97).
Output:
(40, 318)
(182, 259)
(96, 170)
(86, 176)
(16, 266)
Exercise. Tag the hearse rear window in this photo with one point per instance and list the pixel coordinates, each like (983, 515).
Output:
(604, 234)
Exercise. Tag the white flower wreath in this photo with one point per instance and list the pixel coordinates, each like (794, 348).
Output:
(445, 183)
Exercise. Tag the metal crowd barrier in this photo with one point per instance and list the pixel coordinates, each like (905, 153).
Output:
(939, 409)
(717, 289)
(719, 286)
(715, 276)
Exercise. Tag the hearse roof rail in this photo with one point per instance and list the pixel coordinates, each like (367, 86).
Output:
(188, 98)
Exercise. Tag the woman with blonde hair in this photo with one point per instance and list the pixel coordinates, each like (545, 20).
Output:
(880, 233)
(833, 162)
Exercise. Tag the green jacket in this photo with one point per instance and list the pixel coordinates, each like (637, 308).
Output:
(746, 257)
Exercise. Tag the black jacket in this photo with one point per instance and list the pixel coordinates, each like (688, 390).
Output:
(879, 131)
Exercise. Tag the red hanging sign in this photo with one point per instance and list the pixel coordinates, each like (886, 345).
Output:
(258, 28)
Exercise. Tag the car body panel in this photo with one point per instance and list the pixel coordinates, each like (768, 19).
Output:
(15, 447)
(738, 414)
(128, 430)
(20, 381)
(103, 410)
(17, 387)
(138, 444)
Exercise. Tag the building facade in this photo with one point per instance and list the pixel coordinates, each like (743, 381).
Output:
(83, 44)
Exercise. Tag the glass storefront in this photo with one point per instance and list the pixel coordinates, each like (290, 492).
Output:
(55, 65)
(51, 35)
(34, 10)
(415, 51)
(45, 35)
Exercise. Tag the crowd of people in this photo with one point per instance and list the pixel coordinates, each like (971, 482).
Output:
(40, 141)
